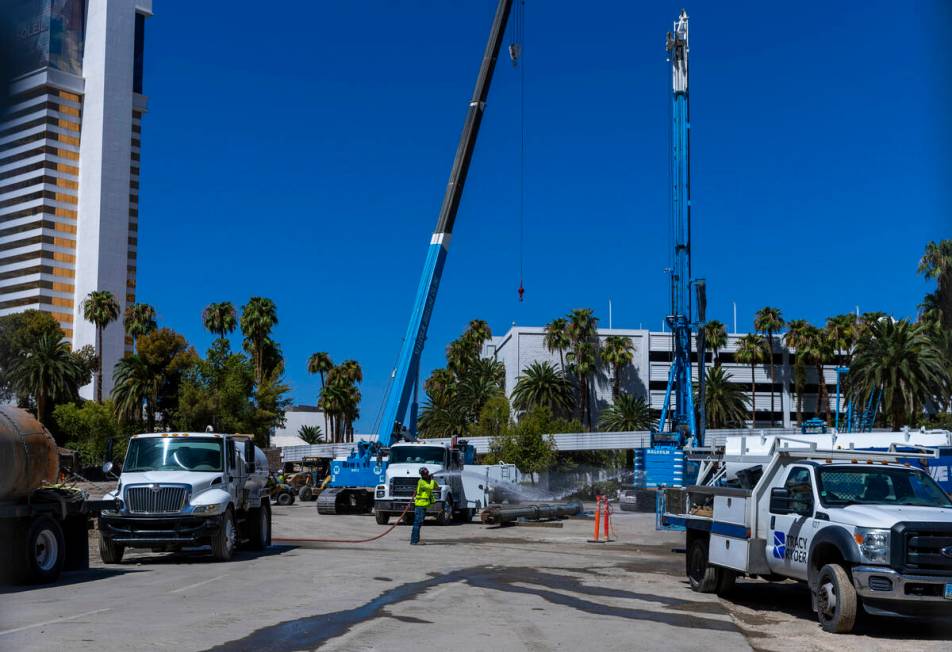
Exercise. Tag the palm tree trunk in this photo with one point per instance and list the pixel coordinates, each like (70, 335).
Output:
(616, 386)
(41, 406)
(99, 364)
(822, 402)
(753, 397)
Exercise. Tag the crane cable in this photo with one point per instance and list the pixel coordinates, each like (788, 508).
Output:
(515, 54)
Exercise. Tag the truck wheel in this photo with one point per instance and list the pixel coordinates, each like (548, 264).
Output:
(44, 550)
(702, 576)
(382, 517)
(835, 600)
(725, 581)
(109, 551)
(285, 499)
(223, 541)
(445, 517)
(306, 494)
(259, 527)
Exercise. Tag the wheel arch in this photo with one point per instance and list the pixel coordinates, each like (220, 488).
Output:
(831, 545)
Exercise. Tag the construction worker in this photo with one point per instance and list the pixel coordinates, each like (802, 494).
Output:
(422, 499)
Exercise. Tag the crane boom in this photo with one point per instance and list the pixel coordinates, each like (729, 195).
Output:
(406, 373)
(680, 319)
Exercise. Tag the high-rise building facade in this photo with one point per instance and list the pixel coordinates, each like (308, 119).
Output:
(69, 161)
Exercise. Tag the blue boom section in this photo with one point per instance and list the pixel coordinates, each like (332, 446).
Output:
(408, 366)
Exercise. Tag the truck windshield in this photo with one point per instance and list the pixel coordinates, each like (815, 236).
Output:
(841, 486)
(417, 455)
(173, 454)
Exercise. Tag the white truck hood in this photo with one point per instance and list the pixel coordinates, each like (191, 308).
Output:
(885, 516)
(411, 470)
(199, 481)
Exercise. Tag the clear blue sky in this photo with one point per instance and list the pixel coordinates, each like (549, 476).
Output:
(302, 153)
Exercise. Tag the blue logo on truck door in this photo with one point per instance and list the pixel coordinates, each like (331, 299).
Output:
(789, 547)
(779, 544)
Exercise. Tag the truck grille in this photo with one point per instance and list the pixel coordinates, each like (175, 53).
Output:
(925, 547)
(148, 500)
(403, 487)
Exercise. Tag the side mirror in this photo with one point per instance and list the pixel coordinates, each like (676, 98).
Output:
(780, 501)
(106, 467)
(250, 466)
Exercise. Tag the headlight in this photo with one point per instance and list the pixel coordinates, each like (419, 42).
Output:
(205, 509)
(873, 544)
(381, 493)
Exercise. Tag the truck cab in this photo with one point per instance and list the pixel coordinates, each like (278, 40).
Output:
(865, 530)
(462, 489)
(188, 489)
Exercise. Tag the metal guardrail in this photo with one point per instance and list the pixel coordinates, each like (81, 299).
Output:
(573, 441)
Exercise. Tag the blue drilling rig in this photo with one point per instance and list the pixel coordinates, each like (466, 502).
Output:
(353, 478)
(677, 423)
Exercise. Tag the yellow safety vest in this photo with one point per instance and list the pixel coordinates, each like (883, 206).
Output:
(424, 493)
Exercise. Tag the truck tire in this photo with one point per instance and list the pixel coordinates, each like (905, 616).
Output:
(223, 541)
(306, 494)
(109, 551)
(44, 549)
(285, 499)
(382, 518)
(702, 576)
(259, 527)
(835, 600)
(445, 517)
(726, 579)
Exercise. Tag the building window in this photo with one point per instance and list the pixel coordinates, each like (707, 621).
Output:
(138, 54)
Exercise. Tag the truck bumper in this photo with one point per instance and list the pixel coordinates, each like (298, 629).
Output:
(396, 506)
(146, 532)
(887, 592)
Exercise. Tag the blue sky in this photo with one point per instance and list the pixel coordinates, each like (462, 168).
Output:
(302, 155)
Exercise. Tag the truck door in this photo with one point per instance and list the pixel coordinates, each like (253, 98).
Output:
(791, 529)
(234, 468)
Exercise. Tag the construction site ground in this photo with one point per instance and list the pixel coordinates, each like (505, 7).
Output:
(471, 587)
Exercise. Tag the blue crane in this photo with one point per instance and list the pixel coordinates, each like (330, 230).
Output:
(354, 478)
(681, 415)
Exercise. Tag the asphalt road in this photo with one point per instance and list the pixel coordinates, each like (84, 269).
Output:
(471, 587)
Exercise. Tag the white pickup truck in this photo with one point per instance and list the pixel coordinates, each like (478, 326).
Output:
(465, 488)
(188, 489)
(864, 529)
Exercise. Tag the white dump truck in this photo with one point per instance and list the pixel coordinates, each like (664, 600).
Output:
(465, 487)
(864, 529)
(188, 489)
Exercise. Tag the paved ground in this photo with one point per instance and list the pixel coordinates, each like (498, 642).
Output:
(470, 588)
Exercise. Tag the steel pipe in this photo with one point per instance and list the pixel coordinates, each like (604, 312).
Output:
(497, 514)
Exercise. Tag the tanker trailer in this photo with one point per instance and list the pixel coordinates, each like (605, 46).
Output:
(43, 529)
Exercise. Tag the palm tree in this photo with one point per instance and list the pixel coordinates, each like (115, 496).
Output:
(47, 371)
(768, 321)
(137, 386)
(258, 317)
(618, 351)
(794, 339)
(100, 308)
(557, 339)
(724, 402)
(901, 360)
(842, 331)
(478, 331)
(139, 320)
(936, 263)
(320, 363)
(817, 348)
(542, 384)
(626, 414)
(582, 331)
(715, 338)
(310, 434)
(750, 350)
(219, 319)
